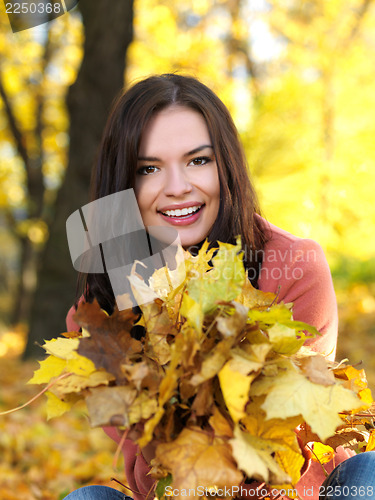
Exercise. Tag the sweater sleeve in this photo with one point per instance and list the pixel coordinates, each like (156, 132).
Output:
(301, 275)
(71, 325)
(140, 483)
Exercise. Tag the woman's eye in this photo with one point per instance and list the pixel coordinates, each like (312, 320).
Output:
(201, 160)
(147, 170)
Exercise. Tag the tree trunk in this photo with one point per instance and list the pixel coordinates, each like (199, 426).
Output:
(21, 304)
(108, 28)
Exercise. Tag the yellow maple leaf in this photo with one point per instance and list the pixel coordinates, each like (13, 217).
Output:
(291, 462)
(76, 383)
(61, 347)
(322, 453)
(192, 311)
(198, 265)
(49, 368)
(80, 365)
(235, 388)
(55, 406)
(251, 297)
(356, 377)
(366, 396)
(279, 430)
(165, 281)
(254, 456)
(290, 394)
(371, 442)
(223, 282)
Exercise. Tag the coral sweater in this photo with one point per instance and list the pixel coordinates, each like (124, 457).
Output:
(296, 269)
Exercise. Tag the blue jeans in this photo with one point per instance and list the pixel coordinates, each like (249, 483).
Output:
(353, 478)
(97, 493)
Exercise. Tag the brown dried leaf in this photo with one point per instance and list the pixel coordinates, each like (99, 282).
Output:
(119, 406)
(110, 343)
(204, 399)
(190, 348)
(220, 424)
(214, 361)
(232, 325)
(159, 326)
(316, 370)
(144, 375)
(347, 438)
(195, 458)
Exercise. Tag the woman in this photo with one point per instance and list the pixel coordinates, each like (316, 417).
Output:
(173, 141)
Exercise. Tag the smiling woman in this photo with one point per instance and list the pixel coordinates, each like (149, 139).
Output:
(177, 182)
(173, 141)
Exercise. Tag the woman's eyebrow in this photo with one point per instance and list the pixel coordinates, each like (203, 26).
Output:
(189, 153)
(148, 158)
(199, 148)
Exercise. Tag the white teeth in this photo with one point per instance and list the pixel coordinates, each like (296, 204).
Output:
(181, 212)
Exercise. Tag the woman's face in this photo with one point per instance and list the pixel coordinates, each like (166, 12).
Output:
(177, 182)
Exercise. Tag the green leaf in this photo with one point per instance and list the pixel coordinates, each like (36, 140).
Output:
(162, 484)
(284, 339)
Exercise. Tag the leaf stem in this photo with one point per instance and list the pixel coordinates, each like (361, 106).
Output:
(317, 458)
(119, 448)
(126, 487)
(64, 375)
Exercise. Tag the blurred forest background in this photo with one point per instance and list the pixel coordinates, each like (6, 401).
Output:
(298, 77)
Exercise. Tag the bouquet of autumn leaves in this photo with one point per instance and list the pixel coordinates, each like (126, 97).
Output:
(220, 379)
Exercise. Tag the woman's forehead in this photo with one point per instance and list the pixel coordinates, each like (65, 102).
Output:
(177, 128)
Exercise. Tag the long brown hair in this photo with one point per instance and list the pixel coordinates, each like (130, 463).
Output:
(118, 155)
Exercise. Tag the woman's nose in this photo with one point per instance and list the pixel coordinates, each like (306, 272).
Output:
(177, 182)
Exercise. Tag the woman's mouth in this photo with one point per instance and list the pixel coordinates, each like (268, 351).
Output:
(181, 216)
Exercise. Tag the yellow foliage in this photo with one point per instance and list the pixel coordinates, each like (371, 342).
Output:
(49, 368)
(254, 455)
(235, 388)
(290, 394)
(322, 453)
(55, 406)
(371, 442)
(236, 373)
